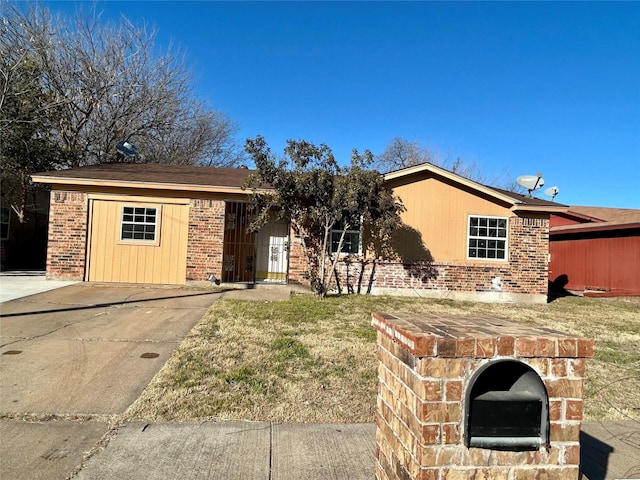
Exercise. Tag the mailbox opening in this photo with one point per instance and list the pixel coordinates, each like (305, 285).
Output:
(506, 408)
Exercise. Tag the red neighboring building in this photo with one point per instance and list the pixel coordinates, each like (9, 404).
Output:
(595, 250)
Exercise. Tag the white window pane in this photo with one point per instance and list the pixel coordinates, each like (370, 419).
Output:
(138, 223)
(484, 238)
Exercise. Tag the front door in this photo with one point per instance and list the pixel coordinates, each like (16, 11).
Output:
(273, 252)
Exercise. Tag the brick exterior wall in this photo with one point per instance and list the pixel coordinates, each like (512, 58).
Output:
(525, 273)
(425, 368)
(67, 246)
(528, 255)
(298, 269)
(205, 239)
(66, 254)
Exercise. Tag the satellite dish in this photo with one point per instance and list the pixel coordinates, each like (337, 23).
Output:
(127, 149)
(531, 182)
(552, 192)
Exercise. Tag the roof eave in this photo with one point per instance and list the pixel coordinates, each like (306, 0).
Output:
(516, 204)
(581, 216)
(523, 207)
(592, 227)
(92, 182)
(450, 176)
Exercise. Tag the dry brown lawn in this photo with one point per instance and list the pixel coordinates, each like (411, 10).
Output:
(310, 360)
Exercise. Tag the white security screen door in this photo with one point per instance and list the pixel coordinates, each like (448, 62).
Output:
(273, 252)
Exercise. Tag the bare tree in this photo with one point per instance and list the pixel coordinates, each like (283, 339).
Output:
(72, 88)
(401, 153)
(106, 84)
(27, 143)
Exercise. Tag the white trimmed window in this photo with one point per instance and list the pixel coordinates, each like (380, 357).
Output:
(5, 215)
(139, 224)
(351, 245)
(487, 238)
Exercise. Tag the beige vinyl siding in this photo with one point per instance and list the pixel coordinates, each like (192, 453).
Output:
(111, 259)
(438, 214)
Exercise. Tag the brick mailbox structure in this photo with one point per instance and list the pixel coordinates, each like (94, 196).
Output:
(477, 398)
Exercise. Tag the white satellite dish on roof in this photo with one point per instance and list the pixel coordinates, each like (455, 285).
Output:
(552, 192)
(127, 149)
(531, 182)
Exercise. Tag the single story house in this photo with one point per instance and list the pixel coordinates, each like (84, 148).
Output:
(168, 224)
(595, 251)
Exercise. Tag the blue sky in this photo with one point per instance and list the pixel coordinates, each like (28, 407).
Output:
(516, 88)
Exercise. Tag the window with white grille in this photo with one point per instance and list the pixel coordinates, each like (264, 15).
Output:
(487, 238)
(139, 224)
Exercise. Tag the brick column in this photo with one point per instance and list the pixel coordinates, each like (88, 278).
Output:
(205, 239)
(426, 364)
(298, 264)
(67, 243)
(528, 255)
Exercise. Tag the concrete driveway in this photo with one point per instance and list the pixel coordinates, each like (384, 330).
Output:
(19, 284)
(85, 351)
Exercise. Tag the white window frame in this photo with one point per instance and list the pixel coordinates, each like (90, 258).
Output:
(7, 223)
(144, 222)
(488, 238)
(351, 231)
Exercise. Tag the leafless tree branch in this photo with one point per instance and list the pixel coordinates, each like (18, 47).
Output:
(107, 84)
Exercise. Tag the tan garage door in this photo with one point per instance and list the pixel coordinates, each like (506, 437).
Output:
(138, 240)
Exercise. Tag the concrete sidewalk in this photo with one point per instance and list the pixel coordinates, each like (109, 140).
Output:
(260, 450)
(248, 450)
(236, 450)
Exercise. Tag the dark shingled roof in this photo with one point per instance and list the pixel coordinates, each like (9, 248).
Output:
(607, 214)
(149, 173)
(599, 219)
(157, 173)
(526, 199)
